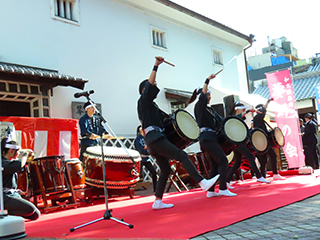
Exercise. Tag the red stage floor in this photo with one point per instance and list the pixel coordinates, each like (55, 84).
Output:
(193, 213)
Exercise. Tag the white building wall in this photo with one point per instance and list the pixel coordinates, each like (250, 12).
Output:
(112, 49)
(260, 61)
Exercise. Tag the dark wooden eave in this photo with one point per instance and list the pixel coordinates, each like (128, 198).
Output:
(44, 77)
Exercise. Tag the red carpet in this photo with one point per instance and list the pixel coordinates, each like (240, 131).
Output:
(193, 213)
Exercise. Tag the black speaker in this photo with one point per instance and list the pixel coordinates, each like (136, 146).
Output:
(219, 109)
(228, 103)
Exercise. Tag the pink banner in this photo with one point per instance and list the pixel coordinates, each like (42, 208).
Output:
(281, 90)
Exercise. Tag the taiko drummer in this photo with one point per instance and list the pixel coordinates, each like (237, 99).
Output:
(159, 146)
(210, 122)
(258, 122)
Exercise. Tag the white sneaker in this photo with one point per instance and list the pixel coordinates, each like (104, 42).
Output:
(229, 186)
(263, 180)
(206, 184)
(227, 193)
(278, 177)
(158, 204)
(212, 194)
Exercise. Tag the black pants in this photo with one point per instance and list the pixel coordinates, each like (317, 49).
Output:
(311, 154)
(163, 151)
(240, 151)
(152, 171)
(18, 206)
(263, 161)
(83, 148)
(218, 162)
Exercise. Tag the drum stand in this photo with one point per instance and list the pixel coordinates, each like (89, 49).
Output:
(107, 214)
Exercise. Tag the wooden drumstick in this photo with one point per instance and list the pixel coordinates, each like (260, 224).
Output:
(168, 63)
(218, 72)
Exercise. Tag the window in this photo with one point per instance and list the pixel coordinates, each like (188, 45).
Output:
(217, 57)
(65, 10)
(158, 38)
(25, 94)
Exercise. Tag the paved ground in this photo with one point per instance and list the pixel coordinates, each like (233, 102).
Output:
(300, 220)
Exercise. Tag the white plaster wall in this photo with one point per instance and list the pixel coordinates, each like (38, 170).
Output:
(111, 48)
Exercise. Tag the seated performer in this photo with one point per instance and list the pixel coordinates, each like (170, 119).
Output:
(258, 122)
(242, 150)
(209, 122)
(13, 202)
(141, 147)
(158, 145)
(89, 129)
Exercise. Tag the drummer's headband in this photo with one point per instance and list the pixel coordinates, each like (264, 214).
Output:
(90, 105)
(10, 145)
(240, 107)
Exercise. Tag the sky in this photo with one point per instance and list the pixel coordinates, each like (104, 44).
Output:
(298, 21)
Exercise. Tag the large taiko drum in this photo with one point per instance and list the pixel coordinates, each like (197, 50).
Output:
(75, 170)
(258, 142)
(50, 171)
(181, 129)
(121, 171)
(276, 138)
(233, 132)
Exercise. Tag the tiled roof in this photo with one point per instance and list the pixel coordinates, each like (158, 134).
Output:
(303, 86)
(176, 92)
(45, 74)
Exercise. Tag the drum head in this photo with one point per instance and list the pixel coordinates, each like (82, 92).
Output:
(187, 125)
(235, 129)
(279, 136)
(259, 140)
(112, 153)
(72, 160)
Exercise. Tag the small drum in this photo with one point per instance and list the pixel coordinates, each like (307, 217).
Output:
(182, 129)
(121, 172)
(51, 175)
(23, 182)
(276, 138)
(258, 142)
(75, 170)
(234, 131)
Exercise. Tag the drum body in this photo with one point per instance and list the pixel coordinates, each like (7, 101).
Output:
(276, 138)
(233, 132)
(182, 129)
(121, 172)
(23, 182)
(50, 171)
(258, 142)
(76, 173)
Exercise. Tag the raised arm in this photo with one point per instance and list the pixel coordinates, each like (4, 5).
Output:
(152, 78)
(206, 83)
(267, 103)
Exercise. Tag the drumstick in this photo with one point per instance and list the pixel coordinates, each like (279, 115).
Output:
(218, 72)
(168, 63)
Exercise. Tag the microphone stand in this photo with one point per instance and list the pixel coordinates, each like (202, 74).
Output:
(107, 214)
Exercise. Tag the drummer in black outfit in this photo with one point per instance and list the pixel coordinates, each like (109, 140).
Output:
(141, 147)
(258, 122)
(13, 202)
(158, 145)
(242, 150)
(210, 122)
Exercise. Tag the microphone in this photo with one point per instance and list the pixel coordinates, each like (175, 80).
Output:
(80, 94)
